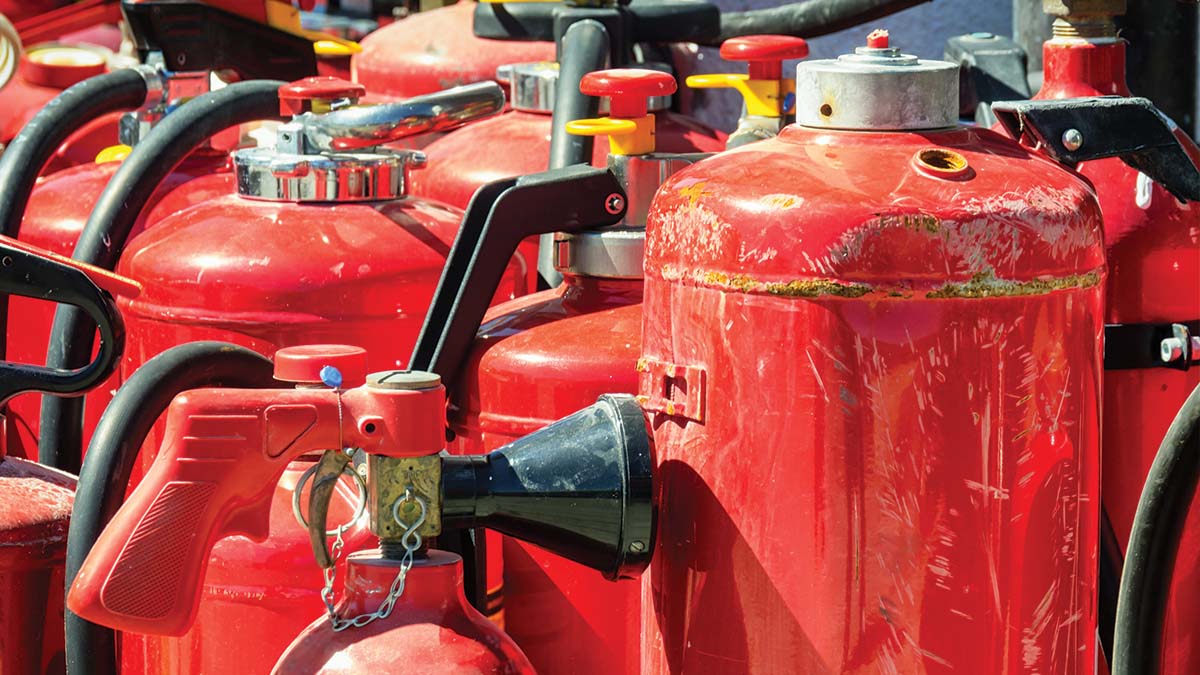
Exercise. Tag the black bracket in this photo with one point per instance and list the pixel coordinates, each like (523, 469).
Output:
(30, 275)
(643, 21)
(194, 36)
(1130, 346)
(991, 68)
(1076, 130)
(499, 216)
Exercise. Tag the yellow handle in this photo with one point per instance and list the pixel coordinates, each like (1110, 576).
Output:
(717, 81)
(601, 126)
(113, 153)
(764, 98)
(633, 136)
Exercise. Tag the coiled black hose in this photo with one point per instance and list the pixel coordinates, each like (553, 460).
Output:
(1154, 542)
(141, 400)
(81, 103)
(107, 230)
(808, 19)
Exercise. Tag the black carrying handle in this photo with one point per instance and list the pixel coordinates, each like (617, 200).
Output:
(195, 36)
(1075, 130)
(647, 21)
(500, 215)
(31, 275)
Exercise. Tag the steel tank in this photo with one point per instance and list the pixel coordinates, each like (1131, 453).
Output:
(319, 243)
(1153, 242)
(538, 358)
(59, 207)
(871, 349)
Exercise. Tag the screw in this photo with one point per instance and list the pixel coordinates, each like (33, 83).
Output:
(1172, 349)
(181, 58)
(637, 546)
(614, 203)
(1072, 139)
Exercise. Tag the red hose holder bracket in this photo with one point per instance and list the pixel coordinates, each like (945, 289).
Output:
(679, 391)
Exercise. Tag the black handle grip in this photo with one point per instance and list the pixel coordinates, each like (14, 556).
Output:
(499, 216)
(194, 36)
(1075, 130)
(644, 21)
(34, 276)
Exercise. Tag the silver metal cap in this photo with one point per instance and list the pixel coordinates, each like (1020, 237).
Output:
(532, 86)
(877, 89)
(166, 91)
(616, 252)
(266, 173)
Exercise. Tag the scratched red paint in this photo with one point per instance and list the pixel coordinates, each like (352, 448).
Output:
(898, 468)
(1154, 262)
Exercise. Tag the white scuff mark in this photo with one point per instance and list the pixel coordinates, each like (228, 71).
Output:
(337, 269)
(817, 374)
(259, 262)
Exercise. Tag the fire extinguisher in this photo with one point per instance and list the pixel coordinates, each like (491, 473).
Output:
(570, 344)
(35, 501)
(603, 518)
(320, 240)
(858, 366)
(1152, 242)
(53, 214)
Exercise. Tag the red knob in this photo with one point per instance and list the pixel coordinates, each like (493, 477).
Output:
(878, 39)
(297, 97)
(304, 365)
(764, 53)
(628, 89)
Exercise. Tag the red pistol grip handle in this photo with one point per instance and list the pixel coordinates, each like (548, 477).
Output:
(224, 453)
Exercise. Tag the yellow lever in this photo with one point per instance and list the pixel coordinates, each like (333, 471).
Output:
(764, 98)
(629, 136)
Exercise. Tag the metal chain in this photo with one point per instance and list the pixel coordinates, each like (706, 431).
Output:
(410, 540)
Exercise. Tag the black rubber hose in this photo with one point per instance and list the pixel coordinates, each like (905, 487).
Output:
(808, 19)
(1111, 560)
(81, 103)
(105, 234)
(584, 49)
(1153, 544)
(141, 400)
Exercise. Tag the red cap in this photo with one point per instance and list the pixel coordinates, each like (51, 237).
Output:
(303, 365)
(60, 66)
(297, 97)
(628, 89)
(878, 39)
(765, 53)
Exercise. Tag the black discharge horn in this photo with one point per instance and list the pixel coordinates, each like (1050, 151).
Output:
(580, 488)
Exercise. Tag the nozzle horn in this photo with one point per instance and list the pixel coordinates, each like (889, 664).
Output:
(580, 488)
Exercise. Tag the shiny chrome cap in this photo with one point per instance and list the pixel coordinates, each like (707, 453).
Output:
(532, 86)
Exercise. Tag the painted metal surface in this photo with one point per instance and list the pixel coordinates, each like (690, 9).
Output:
(58, 209)
(1154, 261)
(35, 505)
(431, 630)
(433, 50)
(268, 275)
(461, 162)
(875, 398)
(538, 359)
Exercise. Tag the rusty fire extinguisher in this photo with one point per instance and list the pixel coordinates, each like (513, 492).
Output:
(872, 354)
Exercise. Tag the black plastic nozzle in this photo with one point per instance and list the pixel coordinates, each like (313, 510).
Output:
(580, 488)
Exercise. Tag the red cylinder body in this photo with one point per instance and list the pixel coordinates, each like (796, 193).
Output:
(875, 403)
(267, 275)
(54, 218)
(1152, 245)
(433, 50)
(34, 85)
(35, 507)
(483, 152)
(432, 629)
(538, 359)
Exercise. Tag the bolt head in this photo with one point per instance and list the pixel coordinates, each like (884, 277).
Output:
(614, 203)
(1072, 139)
(1171, 349)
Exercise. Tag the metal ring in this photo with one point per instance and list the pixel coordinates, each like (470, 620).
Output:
(358, 512)
(410, 531)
